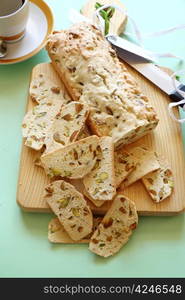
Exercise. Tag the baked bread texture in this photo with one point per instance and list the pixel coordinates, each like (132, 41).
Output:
(92, 73)
(100, 182)
(124, 163)
(160, 183)
(115, 228)
(69, 123)
(49, 98)
(57, 233)
(71, 209)
(73, 161)
(147, 162)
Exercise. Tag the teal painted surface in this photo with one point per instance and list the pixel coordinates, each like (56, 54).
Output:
(157, 247)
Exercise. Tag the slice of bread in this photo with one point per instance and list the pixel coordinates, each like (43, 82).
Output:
(160, 183)
(146, 162)
(100, 182)
(37, 123)
(73, 161)
(50, 98)
(115, 228)
(43, 88)
(93, 74)
(57, 233)
(68, 125)
(124, 163)
(71, 209)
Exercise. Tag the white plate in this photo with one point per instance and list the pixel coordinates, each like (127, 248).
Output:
(39, 26)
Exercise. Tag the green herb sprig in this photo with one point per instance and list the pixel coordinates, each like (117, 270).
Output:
(106, 14)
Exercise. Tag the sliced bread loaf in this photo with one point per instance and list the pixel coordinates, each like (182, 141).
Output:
(71, 209)
(93, 74)
(115, 228)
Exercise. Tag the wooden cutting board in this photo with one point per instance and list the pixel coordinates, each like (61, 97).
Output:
(166, 140)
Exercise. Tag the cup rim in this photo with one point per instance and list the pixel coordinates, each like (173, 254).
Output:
(15, 12)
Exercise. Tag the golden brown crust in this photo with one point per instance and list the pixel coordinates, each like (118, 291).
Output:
(93, 74)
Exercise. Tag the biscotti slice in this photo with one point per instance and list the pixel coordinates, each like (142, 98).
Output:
(160, 183)
(97, 203)
(115, 228)
(57, 233)
(100, 182)
(42, 88)
(124, 163)
(71, 209)
(147, 162)
(37, 123)
(73, 161)
(93, 74)
(68, 125)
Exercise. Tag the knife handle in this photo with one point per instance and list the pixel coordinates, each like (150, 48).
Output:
(175, 96)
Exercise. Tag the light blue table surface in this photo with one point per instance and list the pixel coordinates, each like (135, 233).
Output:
(157, 248)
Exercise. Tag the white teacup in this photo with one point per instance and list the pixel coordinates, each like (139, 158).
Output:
(13, 19)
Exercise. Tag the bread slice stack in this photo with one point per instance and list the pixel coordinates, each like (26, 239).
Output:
(81, 139)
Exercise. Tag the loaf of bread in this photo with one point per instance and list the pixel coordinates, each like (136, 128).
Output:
(71, 209)
(100, 182)
(57, 233)
(160, 183)
(115, 228)
(93, 74)
(69, 123)
(73, 161)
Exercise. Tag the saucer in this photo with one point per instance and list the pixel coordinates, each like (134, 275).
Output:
(39, 26)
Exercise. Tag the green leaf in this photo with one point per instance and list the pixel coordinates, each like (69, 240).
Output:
(106, 14)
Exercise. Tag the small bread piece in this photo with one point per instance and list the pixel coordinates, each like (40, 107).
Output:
(160, 183)
(68, 125)
(100, 182)
(37, 161)
(124, 163)
(71, 209)
(146, 162)
(73, 161)
(42, 88)
(92, 73)
(115, 228)
(57, 233)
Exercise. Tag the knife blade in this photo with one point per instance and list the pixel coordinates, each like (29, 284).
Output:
(143, 61)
